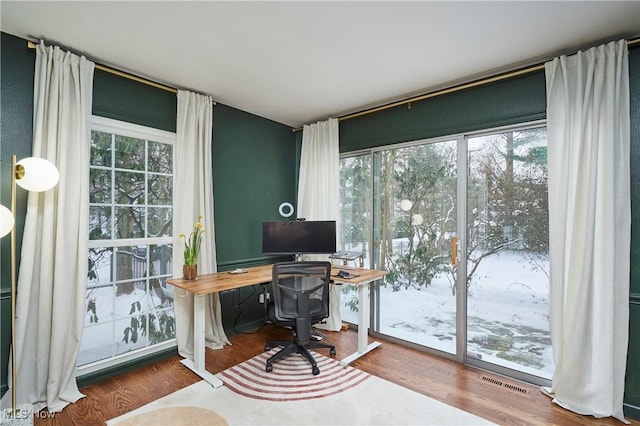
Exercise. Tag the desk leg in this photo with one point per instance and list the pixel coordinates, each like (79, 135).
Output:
(198, 331)
(197, 365)
(363, 326)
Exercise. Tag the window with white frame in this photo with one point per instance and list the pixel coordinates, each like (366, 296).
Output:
(129, 306)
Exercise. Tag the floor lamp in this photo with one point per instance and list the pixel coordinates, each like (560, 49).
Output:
(37, 175)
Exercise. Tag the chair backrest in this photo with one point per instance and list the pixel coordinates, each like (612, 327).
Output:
(301, 291)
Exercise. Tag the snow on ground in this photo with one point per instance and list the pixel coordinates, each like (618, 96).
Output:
(508, 314)
(104, 338)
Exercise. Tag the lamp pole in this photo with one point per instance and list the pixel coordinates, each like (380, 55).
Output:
(14, 404)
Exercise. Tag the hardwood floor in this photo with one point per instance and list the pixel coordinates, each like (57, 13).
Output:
(507, 403)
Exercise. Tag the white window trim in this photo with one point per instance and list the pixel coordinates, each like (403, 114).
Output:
(104, 124)
(108, 125)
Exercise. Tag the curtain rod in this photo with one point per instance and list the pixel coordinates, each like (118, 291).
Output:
(453, 89)
(32, 45)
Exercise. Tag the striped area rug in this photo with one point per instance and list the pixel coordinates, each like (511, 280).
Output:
(291, 396)
(291, 378)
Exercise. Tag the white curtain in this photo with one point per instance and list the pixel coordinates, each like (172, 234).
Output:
(588, 128)
(193, 196)
(319, 190)
(53, 263)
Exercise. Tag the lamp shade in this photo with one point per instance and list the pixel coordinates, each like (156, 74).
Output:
(37, 174)
(6, 221)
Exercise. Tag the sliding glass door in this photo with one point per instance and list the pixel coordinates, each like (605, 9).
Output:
(415, 201)
(479, 295)
(507, 251)
(414, 219)
(356, 213)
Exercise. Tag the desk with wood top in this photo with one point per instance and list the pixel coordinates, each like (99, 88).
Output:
(222, 281)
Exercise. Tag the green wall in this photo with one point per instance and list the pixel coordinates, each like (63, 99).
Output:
(502, 103)
(127, 100)
(634, 88)
(632, 388)
(254, 171)
(16, 106)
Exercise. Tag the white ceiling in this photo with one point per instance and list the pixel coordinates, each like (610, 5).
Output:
(298, 62)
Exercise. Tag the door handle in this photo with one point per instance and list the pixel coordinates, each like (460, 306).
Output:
(454, 251)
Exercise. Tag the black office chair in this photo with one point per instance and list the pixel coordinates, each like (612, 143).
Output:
(299, 299)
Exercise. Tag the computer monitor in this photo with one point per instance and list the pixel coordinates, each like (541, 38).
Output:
(298, 237)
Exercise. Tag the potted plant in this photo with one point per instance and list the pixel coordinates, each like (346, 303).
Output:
(192, 250)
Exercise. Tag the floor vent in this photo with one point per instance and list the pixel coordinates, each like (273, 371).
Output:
(509, 386)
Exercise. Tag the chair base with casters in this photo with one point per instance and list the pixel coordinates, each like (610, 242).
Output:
(291, 347)
(300, 299)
